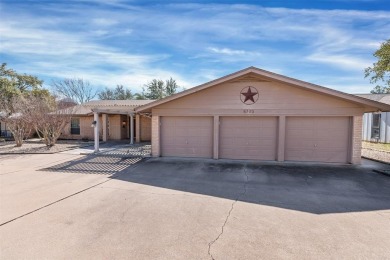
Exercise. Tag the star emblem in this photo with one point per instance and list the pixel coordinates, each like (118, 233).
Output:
(249, 95)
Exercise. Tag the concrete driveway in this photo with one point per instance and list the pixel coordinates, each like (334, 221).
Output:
(65, 206)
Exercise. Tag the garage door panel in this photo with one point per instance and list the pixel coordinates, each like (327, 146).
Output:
(335, 146)
(248, 138)
(187, 136)
(321, 139)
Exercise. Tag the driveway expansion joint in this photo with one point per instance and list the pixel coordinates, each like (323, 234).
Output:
(242, 194)
(71, 195)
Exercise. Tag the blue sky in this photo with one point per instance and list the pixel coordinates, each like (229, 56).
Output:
(110, 42)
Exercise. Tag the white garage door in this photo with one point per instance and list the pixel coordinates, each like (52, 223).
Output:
(187, 136)
(251, 138)
(317, 139)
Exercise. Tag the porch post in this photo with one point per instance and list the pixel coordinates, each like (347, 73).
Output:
(131, 128)
(104, 119)
(137, 128)
(96, 131)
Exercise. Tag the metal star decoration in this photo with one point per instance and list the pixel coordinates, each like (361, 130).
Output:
(249, 96)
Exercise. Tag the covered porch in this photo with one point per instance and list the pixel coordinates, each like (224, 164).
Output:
(113, 124)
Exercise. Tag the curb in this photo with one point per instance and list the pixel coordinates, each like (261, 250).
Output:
(384, 172)
(376, 160)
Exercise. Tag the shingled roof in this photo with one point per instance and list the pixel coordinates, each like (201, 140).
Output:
(114, 105)
(383, 98)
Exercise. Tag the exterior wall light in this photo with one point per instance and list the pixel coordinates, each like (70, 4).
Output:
(123, 124)
(93, 124)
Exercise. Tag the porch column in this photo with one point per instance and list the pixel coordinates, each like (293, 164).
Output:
(104, 119)
(131, 128)
(137, 128)
(96, 131)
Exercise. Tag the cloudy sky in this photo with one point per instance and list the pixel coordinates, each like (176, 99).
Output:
(110, 42)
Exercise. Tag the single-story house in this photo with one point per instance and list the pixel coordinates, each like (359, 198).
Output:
(376, 125)
(259, 115)
(115, 119)
(4, 130)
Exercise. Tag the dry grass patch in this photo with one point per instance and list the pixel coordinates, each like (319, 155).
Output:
(376, 146)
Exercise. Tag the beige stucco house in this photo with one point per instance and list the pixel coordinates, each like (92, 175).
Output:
(259, 115)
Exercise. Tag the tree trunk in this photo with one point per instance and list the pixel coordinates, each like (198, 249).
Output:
(18, 135)
(18, 141)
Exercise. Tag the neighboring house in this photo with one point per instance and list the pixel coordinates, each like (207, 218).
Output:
(4, 132)
(259, 115)
(66, 102)
(115, 120)
(376, 126)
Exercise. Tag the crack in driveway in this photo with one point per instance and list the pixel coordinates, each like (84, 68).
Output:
(243, 193)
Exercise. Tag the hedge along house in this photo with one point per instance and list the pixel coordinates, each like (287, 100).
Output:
(259, 115)
(109, 120)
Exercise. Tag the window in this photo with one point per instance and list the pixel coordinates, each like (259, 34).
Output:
(376, 126)
(75, 126)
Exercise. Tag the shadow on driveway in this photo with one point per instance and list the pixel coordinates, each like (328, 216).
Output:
(310, 188)
(95, 164)
(318, 189)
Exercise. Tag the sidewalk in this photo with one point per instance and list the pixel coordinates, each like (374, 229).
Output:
(116, 149)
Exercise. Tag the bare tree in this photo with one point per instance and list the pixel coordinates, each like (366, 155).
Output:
(17, 121)
(119, 93)
(78, 89)
(48, 118)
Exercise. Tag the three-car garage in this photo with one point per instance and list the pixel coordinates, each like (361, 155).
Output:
(256, 138)
(259, 115)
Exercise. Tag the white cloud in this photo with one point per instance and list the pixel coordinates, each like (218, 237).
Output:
(131, 44)
(228, 51)
(341, 61)
(104, 22)
(57, 55)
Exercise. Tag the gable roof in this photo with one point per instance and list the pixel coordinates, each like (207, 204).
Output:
(255, 73)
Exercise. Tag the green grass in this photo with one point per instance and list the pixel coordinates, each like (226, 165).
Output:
(376, 146)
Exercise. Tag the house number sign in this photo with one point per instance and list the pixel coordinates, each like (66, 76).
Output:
(249, 111)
